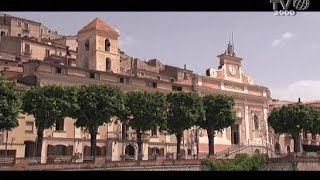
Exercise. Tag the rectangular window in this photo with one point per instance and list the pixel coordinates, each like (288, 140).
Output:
(176, 88)
(29, 127)
(158, 77)
(58, 70)
(314, 137)
(19, 35)
(27, 49)
(60, 125)
(3, 33)
(189, 152)
(124, 80)
(47, 52)
(92, 75)
(154, 131)
(19, 24)
(152, 84)
(26, 26)
(41, 31)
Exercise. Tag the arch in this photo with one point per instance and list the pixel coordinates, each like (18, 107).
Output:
(60, 150)
(108, 64)
(257, 151)
(30, 149)
(130, 152)
(182, 153)
(155, 151)
(288, 149)
(107, 45)
(86, 151)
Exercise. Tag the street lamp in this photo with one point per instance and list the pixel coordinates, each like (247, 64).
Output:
(198, 134)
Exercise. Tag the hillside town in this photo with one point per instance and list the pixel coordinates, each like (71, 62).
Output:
(31, 55)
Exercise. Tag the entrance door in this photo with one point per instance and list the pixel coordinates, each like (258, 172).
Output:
(235, 136)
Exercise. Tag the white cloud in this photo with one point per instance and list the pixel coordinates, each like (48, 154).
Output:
(307, 90)
(283, 39)
(276, 42)
(287, 35)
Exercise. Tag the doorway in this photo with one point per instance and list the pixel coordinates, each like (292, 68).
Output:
(130, 152)
(235, 137)
(30, 149)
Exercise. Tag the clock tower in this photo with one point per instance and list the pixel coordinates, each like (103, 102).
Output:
(231, 64)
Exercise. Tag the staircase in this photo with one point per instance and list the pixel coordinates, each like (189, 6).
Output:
(245, 148)
(232, 148)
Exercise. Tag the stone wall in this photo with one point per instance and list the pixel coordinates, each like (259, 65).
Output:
(100, 163)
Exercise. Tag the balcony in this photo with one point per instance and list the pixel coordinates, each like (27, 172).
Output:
(25, 30)
(27, 52)
(59, 134)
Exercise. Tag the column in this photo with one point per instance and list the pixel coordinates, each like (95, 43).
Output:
(265, 116)
(246, 118)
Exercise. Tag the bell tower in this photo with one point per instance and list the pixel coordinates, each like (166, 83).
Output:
(231, 63)
(98, 47)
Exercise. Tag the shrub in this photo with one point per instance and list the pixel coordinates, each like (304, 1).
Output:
(241, 162)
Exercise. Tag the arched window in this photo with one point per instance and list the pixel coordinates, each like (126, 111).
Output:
(107, 45)
(86, 45)
(108, 64)
(256, 121)
(288, 149)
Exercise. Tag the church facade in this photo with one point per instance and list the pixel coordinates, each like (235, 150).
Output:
(97, 59)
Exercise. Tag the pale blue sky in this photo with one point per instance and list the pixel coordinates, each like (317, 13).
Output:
(281, 53)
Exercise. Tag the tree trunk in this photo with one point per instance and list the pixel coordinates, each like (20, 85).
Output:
(139, 141)
(93, 145)
(296, 140)
(39, 142)
(179, 137)
(211, 140)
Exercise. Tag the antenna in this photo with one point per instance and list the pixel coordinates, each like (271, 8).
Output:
(232, 42)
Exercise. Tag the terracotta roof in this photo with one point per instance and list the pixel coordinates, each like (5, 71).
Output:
(98, 24)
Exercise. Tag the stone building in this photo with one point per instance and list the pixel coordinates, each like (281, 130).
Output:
(15, 26)
(284, 143)
(99, 60)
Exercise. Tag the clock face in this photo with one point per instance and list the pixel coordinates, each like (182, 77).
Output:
(232, 70)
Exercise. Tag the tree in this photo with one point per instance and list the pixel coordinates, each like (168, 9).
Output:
(146, 111)
(10, 105)
(219, 114)
(183, 112)
(313, 125)
(291, 119)
(97, 104)
(48, 104)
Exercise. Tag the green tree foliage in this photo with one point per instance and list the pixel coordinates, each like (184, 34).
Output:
(48, 104)
(183, 112)
(313, 125)
(146, 111)
(219, 114)
(292, 119)
(10, 105)
(97, 104)
(241, 162)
